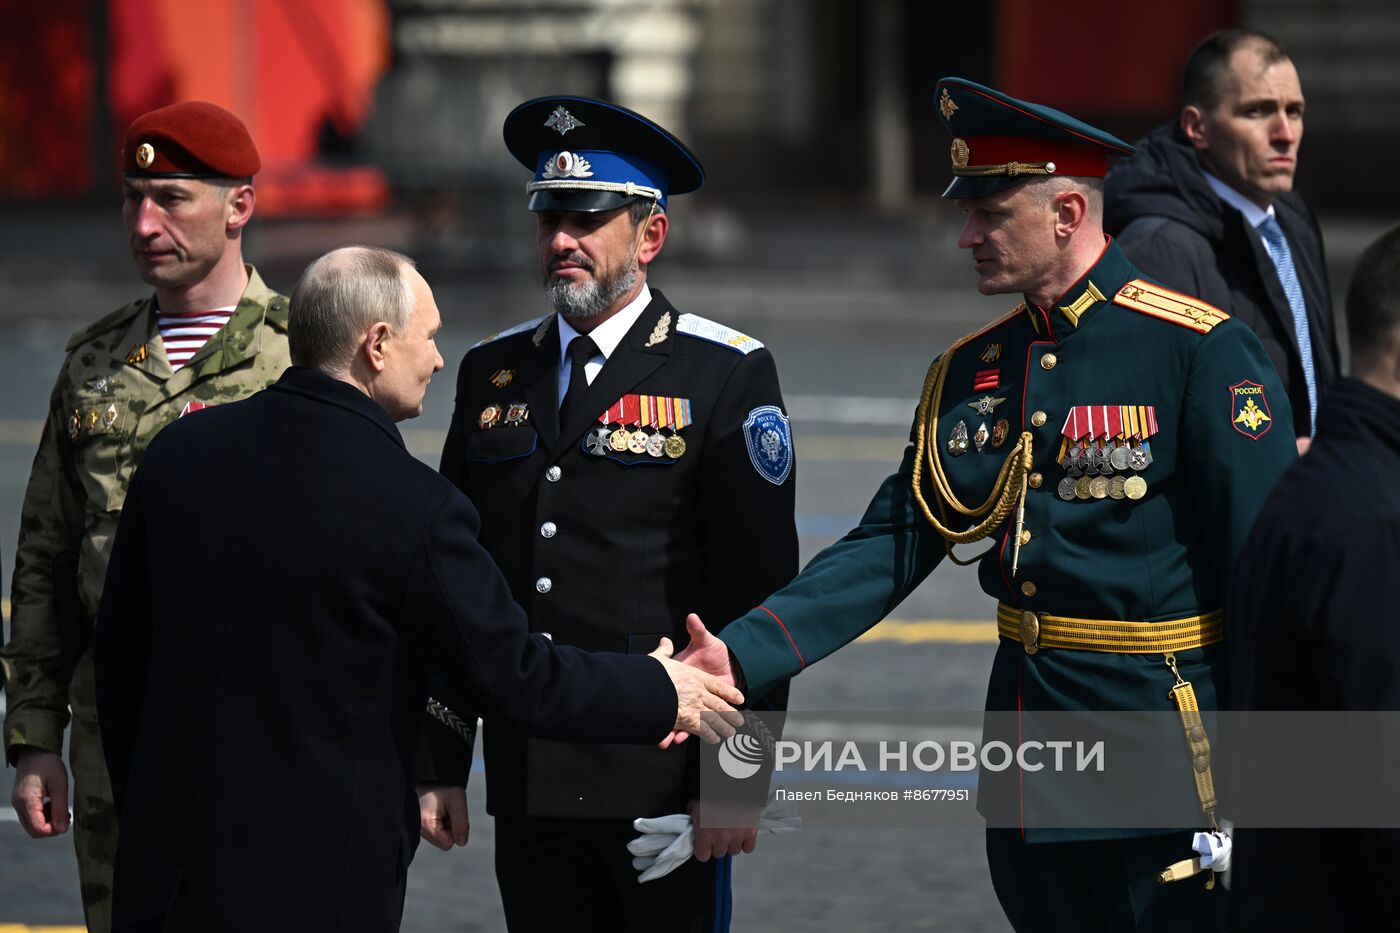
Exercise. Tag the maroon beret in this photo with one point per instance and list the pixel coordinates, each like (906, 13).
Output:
(193, 139)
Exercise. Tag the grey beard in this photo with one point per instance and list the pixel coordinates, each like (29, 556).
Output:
(580, 302)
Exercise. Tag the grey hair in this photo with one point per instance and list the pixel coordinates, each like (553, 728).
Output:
(1092, 188)
(339, 296)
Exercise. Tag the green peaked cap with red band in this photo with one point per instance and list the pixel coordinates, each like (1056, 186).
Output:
(1000, 142)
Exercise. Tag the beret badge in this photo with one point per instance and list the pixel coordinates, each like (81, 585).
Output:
(145, 155)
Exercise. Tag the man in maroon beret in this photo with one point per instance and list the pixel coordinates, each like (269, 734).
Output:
(211, 332)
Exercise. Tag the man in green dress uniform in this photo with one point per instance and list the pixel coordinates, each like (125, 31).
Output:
(1113, 441)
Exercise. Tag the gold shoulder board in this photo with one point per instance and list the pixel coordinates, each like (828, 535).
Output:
(1169, 305)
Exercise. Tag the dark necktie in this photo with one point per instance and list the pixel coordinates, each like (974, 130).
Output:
(581, 350)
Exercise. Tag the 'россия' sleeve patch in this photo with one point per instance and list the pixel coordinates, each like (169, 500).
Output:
(769, 438)
(1249, 410)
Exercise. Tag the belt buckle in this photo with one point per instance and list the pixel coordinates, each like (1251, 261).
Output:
(1030, 631)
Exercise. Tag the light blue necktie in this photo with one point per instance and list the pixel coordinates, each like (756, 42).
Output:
(1288, 278)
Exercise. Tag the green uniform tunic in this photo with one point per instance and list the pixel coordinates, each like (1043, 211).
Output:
(1164, 556)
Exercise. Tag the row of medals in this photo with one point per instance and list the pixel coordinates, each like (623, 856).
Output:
(601, 440)
(1096, 472)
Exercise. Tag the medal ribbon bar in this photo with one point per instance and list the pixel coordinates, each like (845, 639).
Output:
(631, 409)
(681, 412)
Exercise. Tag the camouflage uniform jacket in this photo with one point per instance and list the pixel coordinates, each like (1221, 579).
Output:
(114, 393)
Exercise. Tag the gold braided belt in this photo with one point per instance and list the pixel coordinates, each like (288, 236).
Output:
(1036, 630)
(1008, 492)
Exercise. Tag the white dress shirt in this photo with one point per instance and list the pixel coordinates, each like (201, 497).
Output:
(606, 335)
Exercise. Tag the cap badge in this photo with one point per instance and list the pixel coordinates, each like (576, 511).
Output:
(562, 121)
(145, 155)
(568, 165)
(947, 106)
(960, 153)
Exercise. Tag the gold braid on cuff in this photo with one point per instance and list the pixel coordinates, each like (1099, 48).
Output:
(1008, 492)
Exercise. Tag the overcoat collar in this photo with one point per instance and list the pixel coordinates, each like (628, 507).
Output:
(314, 384)
(1357, 411)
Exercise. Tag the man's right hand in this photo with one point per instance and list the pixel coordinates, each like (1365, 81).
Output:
(704, 703)
(39, 777)
(708, 653)
(442, 815)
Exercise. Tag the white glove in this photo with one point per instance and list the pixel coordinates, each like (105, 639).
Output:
(656, 853)
(1214, 850)
(666, 842)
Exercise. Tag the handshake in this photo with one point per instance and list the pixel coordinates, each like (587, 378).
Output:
(706, 694)
(706, 701)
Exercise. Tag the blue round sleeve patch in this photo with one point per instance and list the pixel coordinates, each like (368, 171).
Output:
(769, 439)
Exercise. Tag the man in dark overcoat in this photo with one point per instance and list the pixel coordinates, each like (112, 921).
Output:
(260, 683)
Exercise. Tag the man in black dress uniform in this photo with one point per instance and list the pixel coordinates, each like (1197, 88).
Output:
(1310, 633)
(632, 463)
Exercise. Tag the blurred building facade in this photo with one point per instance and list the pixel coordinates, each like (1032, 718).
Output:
(358, 105)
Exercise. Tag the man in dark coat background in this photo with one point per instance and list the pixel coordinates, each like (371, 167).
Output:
(259, 725)
(1206, 206)
(1311, 627)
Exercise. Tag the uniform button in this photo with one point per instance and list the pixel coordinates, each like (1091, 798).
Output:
(1034, 480)
(1027, 588)
(553, 474)
(1048, 361)
(1038, 418)
(1026, 536)
(546, 636)
(549, 529)
(544, 585)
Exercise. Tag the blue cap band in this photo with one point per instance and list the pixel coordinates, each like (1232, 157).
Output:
(599, 170)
